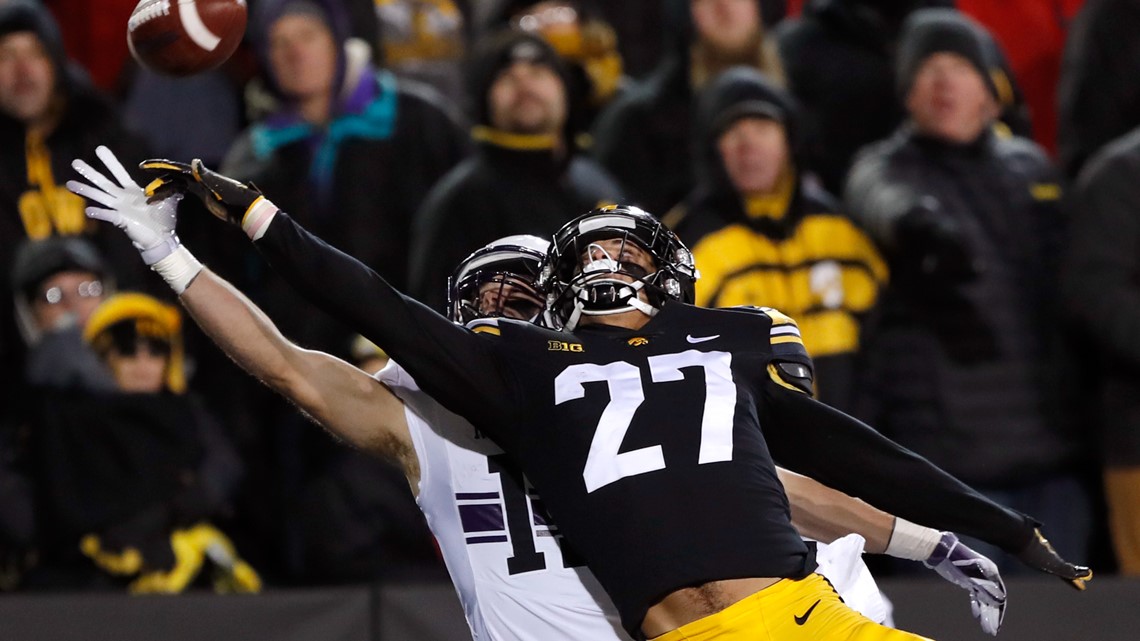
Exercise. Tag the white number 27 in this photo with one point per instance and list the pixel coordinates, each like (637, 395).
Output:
(605, 464)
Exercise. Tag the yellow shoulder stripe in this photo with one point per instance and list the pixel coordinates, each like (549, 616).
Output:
(486, 329)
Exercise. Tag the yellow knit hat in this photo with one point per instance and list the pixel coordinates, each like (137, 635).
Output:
(152, 318)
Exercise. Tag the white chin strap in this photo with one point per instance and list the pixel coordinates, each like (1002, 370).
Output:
(625, 290)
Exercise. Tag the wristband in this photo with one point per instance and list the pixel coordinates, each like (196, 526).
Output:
(911, 541)
(168, 245)
(178, 269)
(257, 218)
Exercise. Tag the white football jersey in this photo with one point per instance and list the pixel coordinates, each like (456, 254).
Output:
(509, 564)
(515, 576)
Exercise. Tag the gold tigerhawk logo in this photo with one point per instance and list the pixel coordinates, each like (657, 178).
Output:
(560, 346)
(638, 341)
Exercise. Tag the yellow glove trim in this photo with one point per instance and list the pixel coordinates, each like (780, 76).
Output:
(127, 562)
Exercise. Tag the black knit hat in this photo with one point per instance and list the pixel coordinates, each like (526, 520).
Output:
(496, 52)
(37, 260)
(930, 31)
(739, 92)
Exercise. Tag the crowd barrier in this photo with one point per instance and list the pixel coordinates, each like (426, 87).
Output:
(1040, 610)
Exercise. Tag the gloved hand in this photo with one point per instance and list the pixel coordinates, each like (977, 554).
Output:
(1040, 555)
(975, 573)
(225, 197)
(936, 241)
(149, 225)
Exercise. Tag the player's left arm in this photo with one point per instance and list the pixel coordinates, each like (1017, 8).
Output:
(819, 441)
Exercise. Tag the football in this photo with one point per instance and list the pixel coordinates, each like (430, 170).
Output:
(184, 37)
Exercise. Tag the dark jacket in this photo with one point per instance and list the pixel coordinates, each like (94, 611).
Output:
(1100, 284)
(1098, 98)
(643, 136)
(129, 468)
(498, 192)
(358, 181)
(794, 252)
(839, 60)
(88, 120)
(961, 370)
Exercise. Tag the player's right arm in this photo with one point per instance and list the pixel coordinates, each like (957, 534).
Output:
(340, 397)
(824, 514)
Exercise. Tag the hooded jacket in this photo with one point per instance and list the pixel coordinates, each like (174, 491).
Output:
(514, 184)
(643, 136)
(790, 250)
(356, 181)
(33, 169)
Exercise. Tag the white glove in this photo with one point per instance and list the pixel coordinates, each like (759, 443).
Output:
(975, 573)
(150, 226)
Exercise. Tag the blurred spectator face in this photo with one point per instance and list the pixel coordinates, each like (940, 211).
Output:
(303, 55)
(949, 99)
(27, 77)
(143, 370)
(754, 152)
(67, 299)
(527, 98)
(728, 25)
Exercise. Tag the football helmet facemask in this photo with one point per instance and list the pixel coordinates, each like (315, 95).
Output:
(499, 280)
(581, 278)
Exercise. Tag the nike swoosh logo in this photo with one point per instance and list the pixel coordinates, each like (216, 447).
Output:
(694, 339)
(800, 620)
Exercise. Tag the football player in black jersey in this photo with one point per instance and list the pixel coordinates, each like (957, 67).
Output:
(651, 429)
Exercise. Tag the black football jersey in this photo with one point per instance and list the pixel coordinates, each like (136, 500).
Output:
(648, 446)
(653, 449)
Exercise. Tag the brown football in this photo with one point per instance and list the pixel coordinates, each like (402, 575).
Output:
(184, 37)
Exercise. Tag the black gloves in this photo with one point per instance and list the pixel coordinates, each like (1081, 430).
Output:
(1040, 555)
(935, 242)
(225, 197)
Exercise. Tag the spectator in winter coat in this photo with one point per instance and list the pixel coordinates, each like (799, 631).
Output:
(525, 177)
(963, 356)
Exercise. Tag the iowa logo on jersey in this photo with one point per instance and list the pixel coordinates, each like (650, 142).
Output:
(561, 346)
(638, 341)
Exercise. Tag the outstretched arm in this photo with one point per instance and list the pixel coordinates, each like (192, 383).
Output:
(456, 367)
(824, 514)
(345, 400)
(846, 454)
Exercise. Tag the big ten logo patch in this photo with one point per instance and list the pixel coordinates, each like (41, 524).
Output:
(562, 346)
(52, 210)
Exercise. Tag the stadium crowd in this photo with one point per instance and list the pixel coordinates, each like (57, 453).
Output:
(936, 191)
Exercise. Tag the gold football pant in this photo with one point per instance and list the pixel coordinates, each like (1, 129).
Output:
(804, 610)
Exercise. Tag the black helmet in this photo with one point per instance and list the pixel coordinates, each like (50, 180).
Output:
(510, 261)
(573, 290)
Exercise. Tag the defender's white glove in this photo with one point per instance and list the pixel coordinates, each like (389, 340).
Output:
(150, 226)
(975, 573)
